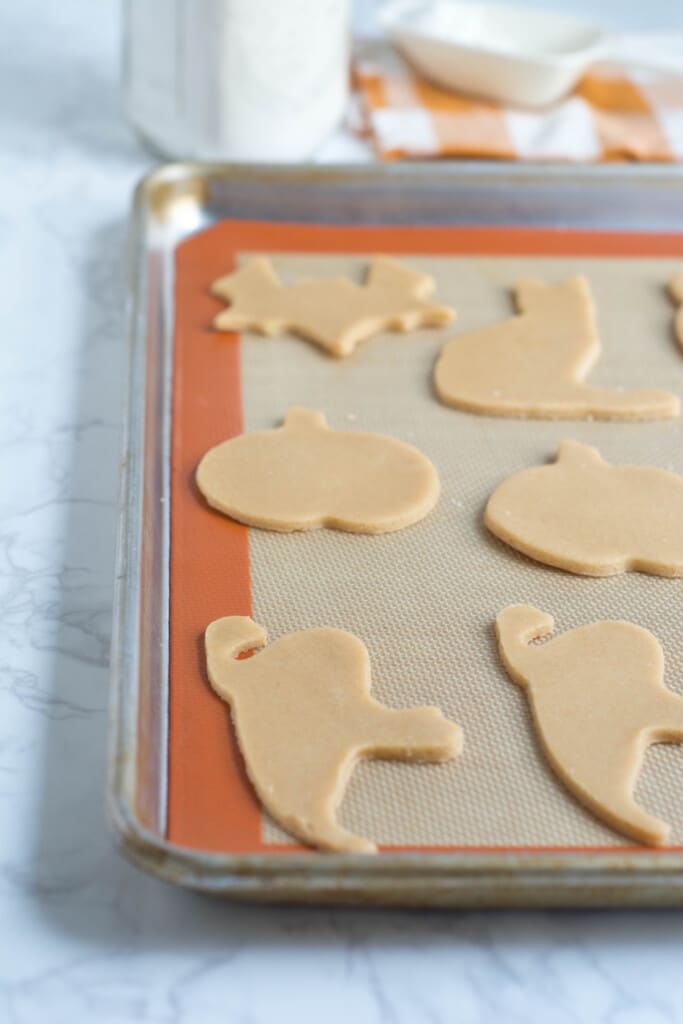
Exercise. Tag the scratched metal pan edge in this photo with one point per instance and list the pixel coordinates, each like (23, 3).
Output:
(172, 203)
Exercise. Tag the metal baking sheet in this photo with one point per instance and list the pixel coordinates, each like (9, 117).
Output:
(172, 205)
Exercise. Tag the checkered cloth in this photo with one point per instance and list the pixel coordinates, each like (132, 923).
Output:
(607, 117)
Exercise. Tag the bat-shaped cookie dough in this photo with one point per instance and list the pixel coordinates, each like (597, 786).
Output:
(586, 516)
(334, 313)
(535, 364)
(304, 716)
(676, 292)
(598, 702)
(304, 475)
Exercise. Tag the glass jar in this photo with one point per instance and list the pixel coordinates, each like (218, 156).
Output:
(236, 80)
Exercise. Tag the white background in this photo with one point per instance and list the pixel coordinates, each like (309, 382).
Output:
(83, 936)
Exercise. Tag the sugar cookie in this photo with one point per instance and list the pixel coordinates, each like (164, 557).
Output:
(676, 292)
(598, 701)
(335, 313)
(586, 516)
(304, 475)
(535, 364)
(304, 716)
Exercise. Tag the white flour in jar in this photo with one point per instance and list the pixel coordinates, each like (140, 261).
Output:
(237, 80)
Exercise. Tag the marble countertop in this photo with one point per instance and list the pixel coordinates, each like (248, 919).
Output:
(84, 936)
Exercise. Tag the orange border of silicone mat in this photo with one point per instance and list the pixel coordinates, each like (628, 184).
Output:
(211, 805)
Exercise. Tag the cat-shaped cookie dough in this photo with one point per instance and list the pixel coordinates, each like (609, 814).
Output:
(334, 313)
(304, 475)
(586, 516)
(304, 716)
(598, 701)
(535, 364)
(676, 292)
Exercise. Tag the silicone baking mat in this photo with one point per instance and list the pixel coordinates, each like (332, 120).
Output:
(424, 599)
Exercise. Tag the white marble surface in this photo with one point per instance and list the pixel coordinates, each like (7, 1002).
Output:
(83, 936)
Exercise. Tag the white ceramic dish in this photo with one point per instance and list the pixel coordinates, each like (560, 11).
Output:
(515, 55)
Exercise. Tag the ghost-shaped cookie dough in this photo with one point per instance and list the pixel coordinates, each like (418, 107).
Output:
(534, 365)
(334, 313)
(304, 475)
(598, 701)
(304, 716)
(588, 517)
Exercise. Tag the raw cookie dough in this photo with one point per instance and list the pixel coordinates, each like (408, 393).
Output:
(676, 292)
(598, 701)
(304, 475)
(335, 313)
(304, 716)
(585, 516)
(535, 364)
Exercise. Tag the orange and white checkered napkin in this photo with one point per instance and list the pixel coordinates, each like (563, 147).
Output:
(607, 117)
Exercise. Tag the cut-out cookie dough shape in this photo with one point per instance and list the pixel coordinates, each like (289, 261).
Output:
(676, 292)
(305, 475)
(304, 716)
(598, 701)
(588, 517)
(335, 313)
(535, 364)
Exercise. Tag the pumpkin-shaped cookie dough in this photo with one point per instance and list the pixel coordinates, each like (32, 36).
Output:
(304, 475)
(585, 516)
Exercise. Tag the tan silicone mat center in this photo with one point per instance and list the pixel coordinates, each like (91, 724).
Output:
(424, 599)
